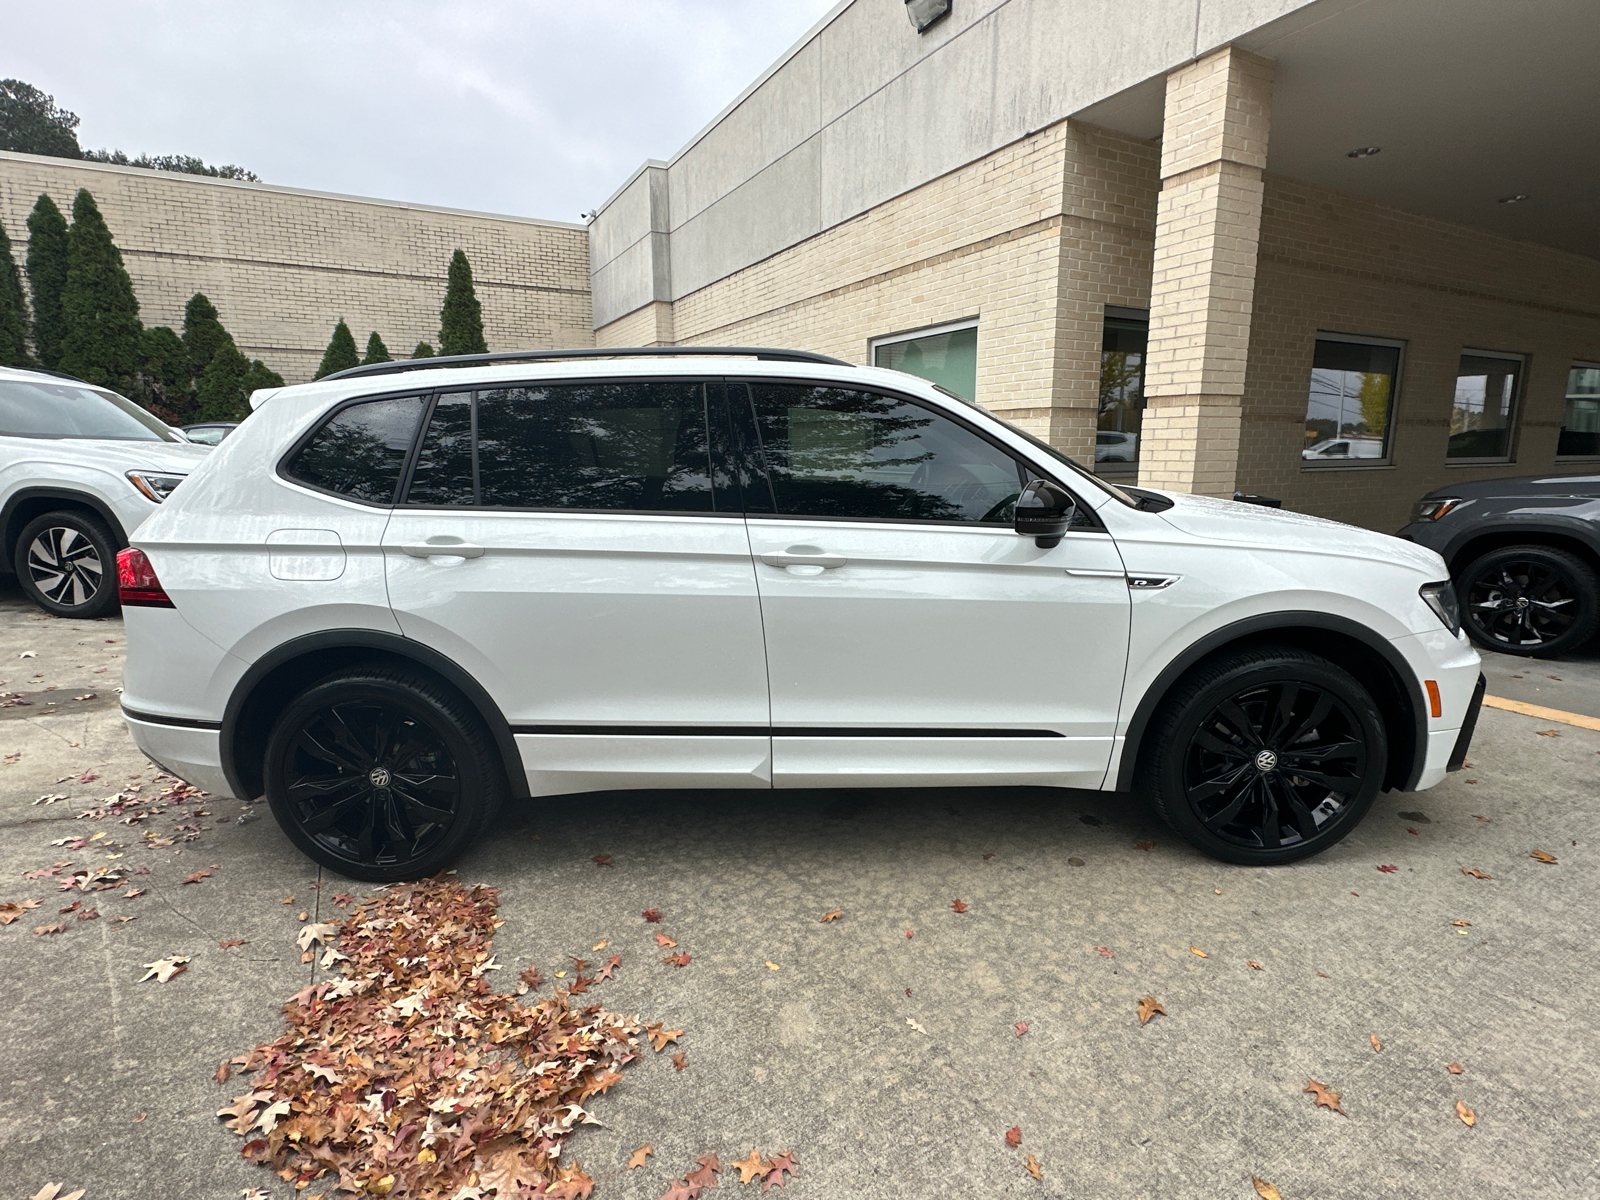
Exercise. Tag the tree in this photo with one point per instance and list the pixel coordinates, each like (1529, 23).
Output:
(423, 350)
(461, 320)
(101, 344)
(30, 122)
(377, 352)
(187, 164)
(164, 379)
(261, 376)
(221, 395)
(13, 309)
(47, 278)
(341, 352)
(203, 334)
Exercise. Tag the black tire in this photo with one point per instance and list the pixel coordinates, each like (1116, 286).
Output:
(66, 562)
(335, 763)
(1534, 601)
(1222, 752)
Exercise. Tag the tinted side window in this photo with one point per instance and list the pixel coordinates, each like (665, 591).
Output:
(836, 452)
(639, 446)
(360, 450)
(443, 472)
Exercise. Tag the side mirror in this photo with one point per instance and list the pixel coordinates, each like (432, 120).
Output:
(1044, 512)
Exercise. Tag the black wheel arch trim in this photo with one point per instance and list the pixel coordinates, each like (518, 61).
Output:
(388, 643)
(1219, 639)
(1583, 533)
(17, 498)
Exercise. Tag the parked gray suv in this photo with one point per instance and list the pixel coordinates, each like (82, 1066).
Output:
(1525, 557)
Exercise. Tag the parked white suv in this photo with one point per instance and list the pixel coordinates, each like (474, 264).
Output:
(395, 597)
(80, 468)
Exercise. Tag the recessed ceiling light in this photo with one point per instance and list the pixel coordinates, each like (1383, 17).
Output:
(1516, 199)
(1363, 152)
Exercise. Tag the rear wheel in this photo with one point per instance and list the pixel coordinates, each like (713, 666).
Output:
(1265, 756)
(382, 774)
(66, 562)
(1535, 601)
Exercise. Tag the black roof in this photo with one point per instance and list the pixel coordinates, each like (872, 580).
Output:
(515, 356)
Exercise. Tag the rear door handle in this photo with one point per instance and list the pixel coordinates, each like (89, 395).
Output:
(796, 558)
(439, 548)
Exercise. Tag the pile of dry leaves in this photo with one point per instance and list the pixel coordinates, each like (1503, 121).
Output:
(411, 1076)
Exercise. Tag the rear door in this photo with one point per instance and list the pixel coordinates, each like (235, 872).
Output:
(912, 636)
(569, 545)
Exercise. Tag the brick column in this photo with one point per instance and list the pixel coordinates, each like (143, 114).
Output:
(1208, 224)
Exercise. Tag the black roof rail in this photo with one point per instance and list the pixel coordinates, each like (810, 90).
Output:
(516, 356)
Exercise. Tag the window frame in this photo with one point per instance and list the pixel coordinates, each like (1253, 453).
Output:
(281, 470)
(911, 335)
(402, 504)
(1386, 460)
(1575, 364)
(754, 467)
(1513, 418)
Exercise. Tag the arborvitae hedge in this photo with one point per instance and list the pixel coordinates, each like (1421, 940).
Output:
(377, 352)
(461, 320)
(203, 334)
(102, 316)
(423, 350)
(47, 277)
(164, 381)
(13, 309)
(341, 352)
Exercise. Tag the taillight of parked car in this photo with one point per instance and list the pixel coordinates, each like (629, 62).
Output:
(137, 585)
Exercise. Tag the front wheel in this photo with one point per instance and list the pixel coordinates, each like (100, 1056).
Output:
(1534, 601)
(382, 774)
(1265, 756)
(67, 564)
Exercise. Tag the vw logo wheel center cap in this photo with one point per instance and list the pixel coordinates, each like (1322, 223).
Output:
(1267, 760)
(379, 777)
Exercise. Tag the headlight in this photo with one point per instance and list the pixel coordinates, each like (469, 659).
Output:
(1437, 508)
(155, 485)
(1441, 597)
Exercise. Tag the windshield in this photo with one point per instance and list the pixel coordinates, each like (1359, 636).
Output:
(52, 409)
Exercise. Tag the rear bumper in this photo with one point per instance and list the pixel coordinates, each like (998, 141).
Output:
(191, 750)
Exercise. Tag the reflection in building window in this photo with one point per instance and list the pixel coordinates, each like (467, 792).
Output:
(946, 355)
(1485, 403)
(1350, 406)
(1122, 354)
(1580, 419)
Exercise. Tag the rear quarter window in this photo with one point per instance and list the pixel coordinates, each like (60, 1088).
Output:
(360, 450)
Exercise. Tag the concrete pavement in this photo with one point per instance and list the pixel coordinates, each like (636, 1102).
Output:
(890, 1065)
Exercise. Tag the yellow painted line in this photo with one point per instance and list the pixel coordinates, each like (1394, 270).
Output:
(1544, 714)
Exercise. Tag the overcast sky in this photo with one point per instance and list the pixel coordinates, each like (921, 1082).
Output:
(534, 107)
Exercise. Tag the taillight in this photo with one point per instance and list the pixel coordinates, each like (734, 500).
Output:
(137, 585)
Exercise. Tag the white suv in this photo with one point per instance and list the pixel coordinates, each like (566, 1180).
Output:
(80, 468)
(397, 596)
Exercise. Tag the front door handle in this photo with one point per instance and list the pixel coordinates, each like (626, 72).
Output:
(803, 556)
(439, 547)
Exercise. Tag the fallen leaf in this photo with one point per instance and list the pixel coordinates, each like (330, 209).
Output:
(1455, 1068)
(318, 931)
(1485, 820)
(663, 940)
(197, 877)
(1195, 950)
(52, 1191)
(750, 1167)
(1468, 1117)
(705, 1174)
(1103, 951)
(958, 905)
(133, 893)
(1320, 975)
(1324, 1097)
(1014, 1136)
(1462, 924)
(918, 1027)
(832, 915)
(288, 899)
(1377, 1046)
(12, 759)
(602, 860)
(679, 959)
(1541, 733)
(660, 1038)
(1543, 856)
(987, 857)
(49, 930)
(223, 1071)
(303, 916)
(1034, 1169)
(1144, 845)
(775, 1169)
(600, 945)
(230, 943)
(342, 899)
(1411, 829)
(1021, 1027)
(11, 910)
(1148, 1007)
(771, 966)
(610, 969)
(636, 1159)
(1253, 965)
(89, 914)
(910, 934)
(1264, 1189)
(1475, 873)
(164, 969)
(651, 914)
(1388, 868)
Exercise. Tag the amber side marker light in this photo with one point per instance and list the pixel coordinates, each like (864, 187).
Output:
(1434, 702)
(137, 585)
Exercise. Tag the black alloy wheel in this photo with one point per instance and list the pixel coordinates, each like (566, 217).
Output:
(381, 775)
(1534, 601)
(67, 564)
(1266, 756)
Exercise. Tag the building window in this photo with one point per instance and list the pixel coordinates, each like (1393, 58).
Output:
(1350, 407)
(1580, 420)
(1122, 352)
(1487, 387)
(945, 354)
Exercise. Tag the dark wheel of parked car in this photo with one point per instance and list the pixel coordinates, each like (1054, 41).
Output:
(1535, 601)
(382, 774)
(67, 564)
(1265, 756)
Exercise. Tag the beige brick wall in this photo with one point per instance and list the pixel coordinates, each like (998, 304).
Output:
(282, 266)
(1338, 263)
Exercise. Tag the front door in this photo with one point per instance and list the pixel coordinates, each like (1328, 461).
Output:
(912, 637)
(564, 543)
